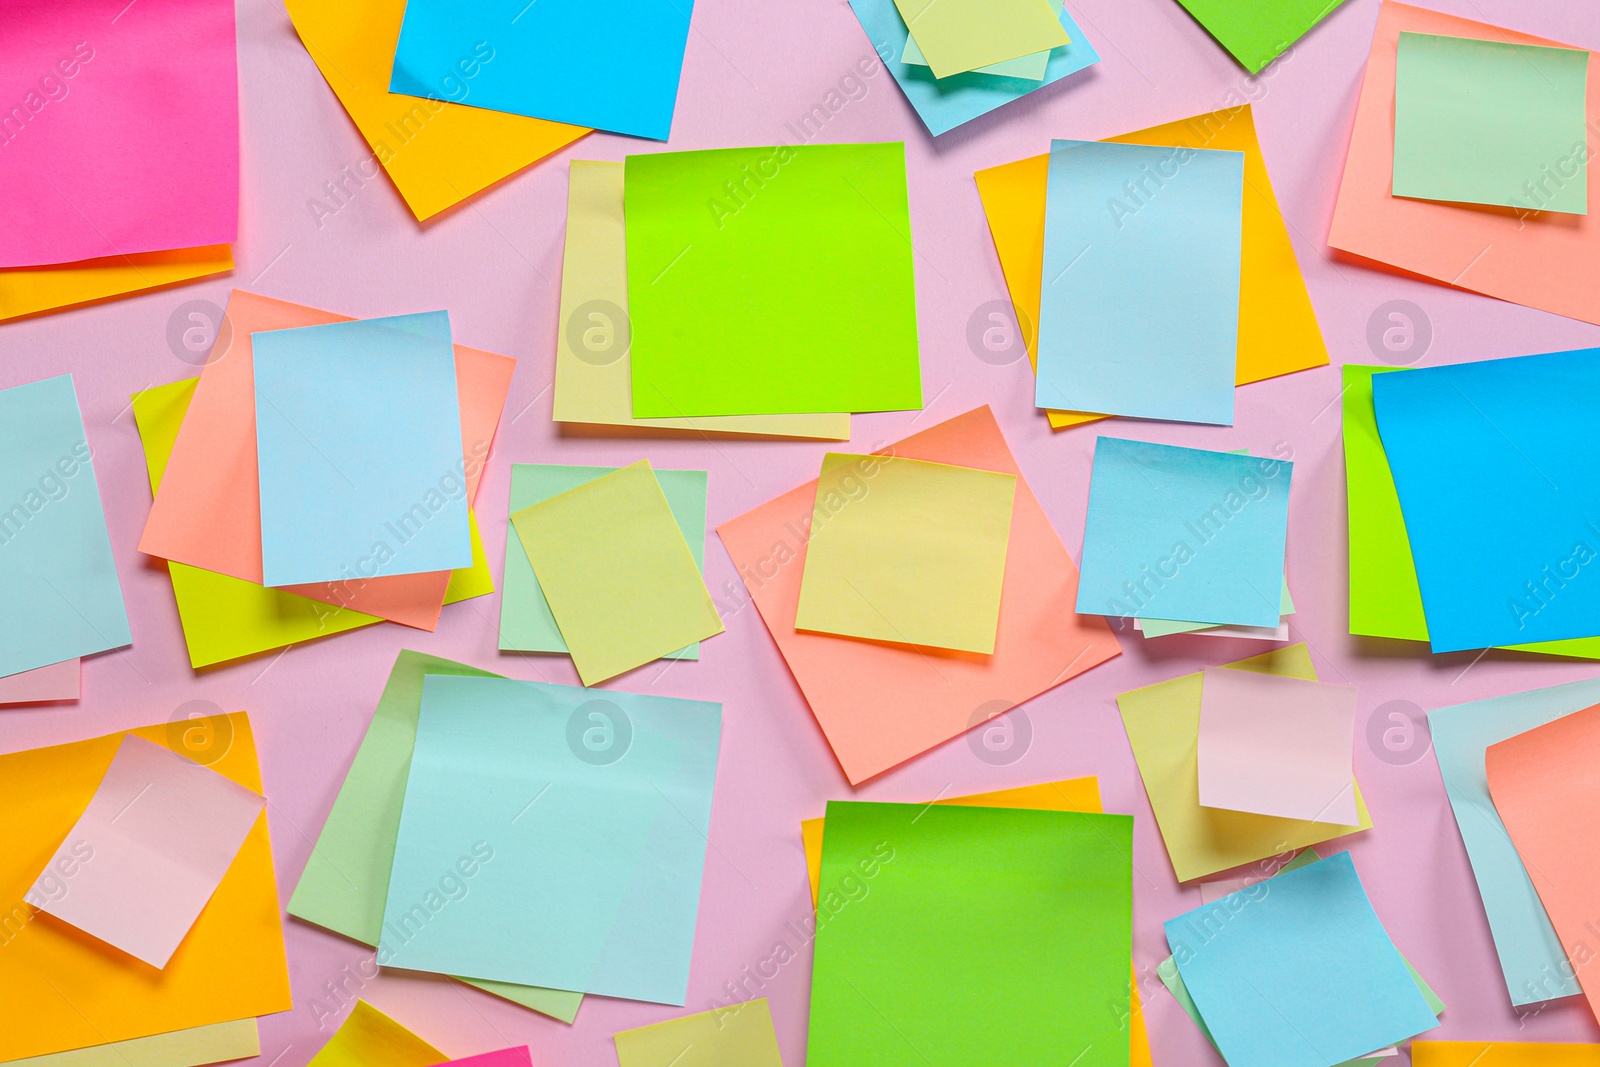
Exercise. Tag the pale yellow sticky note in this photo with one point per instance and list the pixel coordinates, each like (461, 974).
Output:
(737, 1036)
(620, 579)
(594, 375)
(369, 1038)
(217, 1043)
(962, 35)
(33, 290)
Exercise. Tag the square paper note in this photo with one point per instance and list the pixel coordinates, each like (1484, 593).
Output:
(737, 1036)
(956, 36)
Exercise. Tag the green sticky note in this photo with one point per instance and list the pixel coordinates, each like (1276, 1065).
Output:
(958, 935)
(526, 623)
(346, 882)
(1256, 33)
(956, 36)
(767, 281)
(1029, 68)
(1487, 122)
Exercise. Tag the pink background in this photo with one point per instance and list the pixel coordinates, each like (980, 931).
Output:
(495, 264)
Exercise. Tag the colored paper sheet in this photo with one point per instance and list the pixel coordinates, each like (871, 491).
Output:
(1277, 746)
(216, 1043)
(1487, 122)
(1545, 261)
(506, 1057)
(58, 681)
(541, 61)
(594, 366)
(738, 1036)
(1278, 332)
(879, 705)
(1029, 67)
(1298, 971)
(957, 37)
(1163, 724)
(346, 879)
(587, 819)
(933, 873)
(1184, 533)
(465, 150)
(1501, 440)
(125, 197)
(1502, 1054)
(1166, 627)
(1124, 220)
(907, 551)
(945, 103)
(723, 302)
(35, 290)
(616, 572)
(1256, 33)
(369, 1038)
(230, 967)
(526, 622)
(59, 593)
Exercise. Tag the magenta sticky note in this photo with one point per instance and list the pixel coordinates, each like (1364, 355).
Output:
(506, 1057)
(58, 681)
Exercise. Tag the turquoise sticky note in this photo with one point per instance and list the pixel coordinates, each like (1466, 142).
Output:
(1184, 533)
(59, 594)
(553, 836)
(1139, 301)
(358, 433)
(1297, 971)
(526, 622)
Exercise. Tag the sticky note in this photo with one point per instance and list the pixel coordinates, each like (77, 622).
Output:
(526, 623)
(736, 1036)
(369, 1038)
(125, 197)
(878, 704)
(1030, 67)
(907, 551)
(346, 879)
(59, 593)
(1126, 219)
(730, 254)
(957, 36)
(194, 1047)
(1163, 725)
(1167, 627)
(35, 290)
(934, 876)
(541, 60)
(1491, 122)
(1502, 1054)
(506, 1057)
(579, 824)
(616, 572)
(1257, 33)
(58, 681)
(1298, 971)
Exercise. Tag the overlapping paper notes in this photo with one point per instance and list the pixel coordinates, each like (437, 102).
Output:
(1255, 33)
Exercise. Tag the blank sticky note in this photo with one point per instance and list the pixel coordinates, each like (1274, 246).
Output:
(32, 290)
(193, 1047)
(1256, 33)
(1123, 221)
(740, 1035)
(1502, 1054)
(519, 1056)
(368, 1038)
(1029, 67)
(58, 681)
(962, 35)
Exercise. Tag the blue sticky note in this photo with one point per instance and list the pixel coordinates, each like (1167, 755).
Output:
(358, 432)
(607, 64)
(1297, 971)
(1184, 533)
(1494, 466)
(1139, 299)
(59, 594)
(1534, 964)
(945, 103)
(553, 836)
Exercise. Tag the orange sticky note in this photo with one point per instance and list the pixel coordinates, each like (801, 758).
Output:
(35, 290)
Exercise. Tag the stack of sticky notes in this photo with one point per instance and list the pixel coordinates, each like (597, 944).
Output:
(915, 592)
(1468, 162)
(319, 475)
(119, 219)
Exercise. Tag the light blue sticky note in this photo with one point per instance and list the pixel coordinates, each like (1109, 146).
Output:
(582, 817)
(1184, 533)
(1494, 466)
(945, 103)
(1167, 627)
(526, 622)
(59, 594)
(1139, 300)
(1531, 957)
(358, 432)
(611, 65)
(1297, 971)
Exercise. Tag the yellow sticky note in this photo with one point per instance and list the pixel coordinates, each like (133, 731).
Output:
(32, 290)
(907, 551)
(369, 1038)
(620, 579)
(962, 35)
(217, 1043)
(1502, 1054)
(736, 1036)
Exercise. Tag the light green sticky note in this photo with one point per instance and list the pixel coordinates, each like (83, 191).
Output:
(1488, 122)
(957, 36)
(767, 281)
(346, 882)
(1028, 68)
(526, 624)
(1256, 33)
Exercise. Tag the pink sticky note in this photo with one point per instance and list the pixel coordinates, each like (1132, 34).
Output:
(119, 128)
(506, 1057)
(1277, 746)
(146, 856)
(58, 681)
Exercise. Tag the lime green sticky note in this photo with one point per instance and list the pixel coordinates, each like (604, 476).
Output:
(961, 35)
(934, 922)
(619, 577)
(1029, 68)
(740, 1035)
(907, 551)
(526, 624)
(767, 281)
(1256, 33)
(1488, 122)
